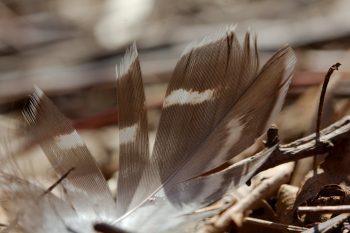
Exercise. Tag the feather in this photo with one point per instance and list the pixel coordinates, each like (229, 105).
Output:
(161, 215)
(32, 209)
(133, 131)
(203, 87)
(86, 187)
(206, 189)
(216, 105)
(248, 119)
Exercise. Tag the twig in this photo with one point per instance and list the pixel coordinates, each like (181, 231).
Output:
(323, 94)
(296, 150)
(273, 225)
(306, 146)
(324, 209)
(272, 136)
(233, 216)
(329, 225)
(320, 108)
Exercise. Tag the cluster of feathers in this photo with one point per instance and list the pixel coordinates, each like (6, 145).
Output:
(217, 103)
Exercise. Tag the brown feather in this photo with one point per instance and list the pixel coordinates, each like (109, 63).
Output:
(133, 131)
(216, 105)
(86, 187)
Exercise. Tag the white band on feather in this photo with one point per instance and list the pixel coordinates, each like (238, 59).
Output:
(182, 96)
(234, 132)
(129, 58)
(128, 134)
(235, 129)
(69, 141)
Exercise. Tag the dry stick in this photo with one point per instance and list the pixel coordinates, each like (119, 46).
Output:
(307, 146)
(272, 136)
(223, 222)
(273, 225)
(324, 209)
(328, 226)
(296, 150)
(320, 108)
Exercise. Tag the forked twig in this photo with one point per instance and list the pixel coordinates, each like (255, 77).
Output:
(296, 150)
(307, 146)
(233, 216)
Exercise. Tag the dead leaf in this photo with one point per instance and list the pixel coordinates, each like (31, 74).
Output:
(285, 200)
(334, 170)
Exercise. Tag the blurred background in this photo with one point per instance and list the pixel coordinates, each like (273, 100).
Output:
(70, 49)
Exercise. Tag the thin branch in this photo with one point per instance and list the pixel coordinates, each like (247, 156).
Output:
(273, 225)
(296, 150)
(320, 108)
(307, 146)
(324, 209)
(329, 225)
(233, 216)
(272, 136)
(323, 94)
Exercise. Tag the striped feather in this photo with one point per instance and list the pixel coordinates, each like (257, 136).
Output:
(31, 209)
(216, 105)
(205, 189)
(160, 215)
(86, 187)
(133, 129)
